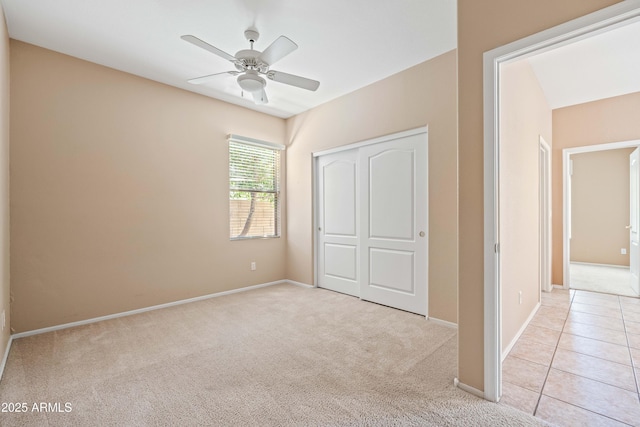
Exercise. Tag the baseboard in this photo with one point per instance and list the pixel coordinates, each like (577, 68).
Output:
(520, 331)
(5, 357)
(443, 323)
(468, 388)
(600, 265)
(293, 282)
(144, 310)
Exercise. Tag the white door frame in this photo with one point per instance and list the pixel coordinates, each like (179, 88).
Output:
(566, 197)
(633, 221)
(314, 167)
(545, 216)
(601, 21)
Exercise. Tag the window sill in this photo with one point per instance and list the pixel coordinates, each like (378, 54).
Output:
(254, 238)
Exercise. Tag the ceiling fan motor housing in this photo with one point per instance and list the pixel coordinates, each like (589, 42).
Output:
(249, 59)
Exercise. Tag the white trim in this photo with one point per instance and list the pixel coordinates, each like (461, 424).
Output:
(314, 212)
(600, 265)
(492, 295)
(256, 142)
(603, 20)
(6, 356)
(443, 323)
(566, 197)
(384, 138)
(546, 223)
(515, 339)
(304, 285)
(566, 218)
(143, 310)
(603, 147)
(316, 158)
(468, 388)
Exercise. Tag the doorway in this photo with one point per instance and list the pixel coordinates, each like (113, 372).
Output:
(602, 21)
(597, 198)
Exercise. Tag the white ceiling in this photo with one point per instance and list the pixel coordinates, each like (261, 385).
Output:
(598, 67)
(345, 44)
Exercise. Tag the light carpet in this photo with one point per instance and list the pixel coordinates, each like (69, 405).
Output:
(281, 355)
(601, 278)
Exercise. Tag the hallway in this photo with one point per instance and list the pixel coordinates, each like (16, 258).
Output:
(578, 361)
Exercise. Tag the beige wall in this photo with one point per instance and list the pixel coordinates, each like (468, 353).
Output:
(525, 116)
(134, 157)
(482, 26)
(120, 192)
(4, 182)
(600, 207)
(599, 122)
(422, 95)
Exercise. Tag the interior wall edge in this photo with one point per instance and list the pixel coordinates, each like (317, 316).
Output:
(5, 245)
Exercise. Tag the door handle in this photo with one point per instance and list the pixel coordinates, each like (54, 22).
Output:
(628, 227)
(421, 234)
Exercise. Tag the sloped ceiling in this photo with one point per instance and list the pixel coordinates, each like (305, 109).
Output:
(602, 66)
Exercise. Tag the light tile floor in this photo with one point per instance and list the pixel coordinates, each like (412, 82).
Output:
(578, 361)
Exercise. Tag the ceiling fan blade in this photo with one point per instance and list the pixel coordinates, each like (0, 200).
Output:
(260, 97)
(293, 80)
(206, 46)
(277, 50)
(204, 79)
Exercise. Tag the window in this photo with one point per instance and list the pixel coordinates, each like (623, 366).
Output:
(254, 188)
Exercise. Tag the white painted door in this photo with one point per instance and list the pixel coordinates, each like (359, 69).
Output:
(393, 223)
(337, 220)
(634, 253)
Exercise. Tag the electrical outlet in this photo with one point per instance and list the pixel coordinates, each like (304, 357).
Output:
(520, 297)
(623, 251)
(253, 265)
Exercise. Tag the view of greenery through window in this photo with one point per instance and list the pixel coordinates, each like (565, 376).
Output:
(254, 175)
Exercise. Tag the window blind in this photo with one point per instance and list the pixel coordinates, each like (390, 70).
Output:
(254, 190)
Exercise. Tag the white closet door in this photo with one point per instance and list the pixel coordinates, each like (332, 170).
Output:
(337, 221)
(393, 220)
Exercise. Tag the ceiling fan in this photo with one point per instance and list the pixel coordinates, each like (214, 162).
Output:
(252, 64)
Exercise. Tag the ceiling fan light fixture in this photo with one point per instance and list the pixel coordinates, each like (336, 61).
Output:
(251, 64)
(251, 82)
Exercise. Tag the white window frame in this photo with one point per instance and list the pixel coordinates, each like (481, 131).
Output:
(268, 145)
